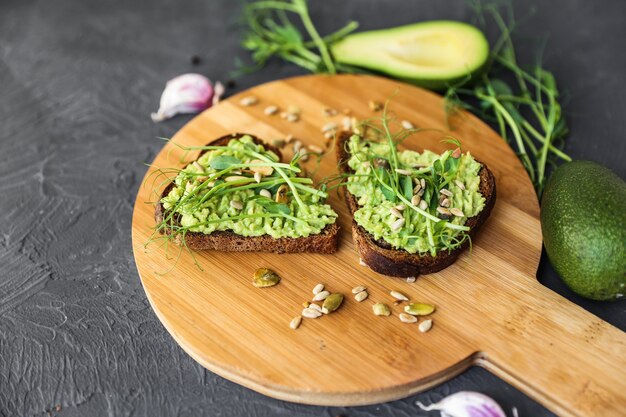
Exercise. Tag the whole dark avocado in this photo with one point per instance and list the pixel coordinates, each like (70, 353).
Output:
(583, 220)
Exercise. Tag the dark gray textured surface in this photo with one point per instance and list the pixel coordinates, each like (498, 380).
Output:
(78, 82)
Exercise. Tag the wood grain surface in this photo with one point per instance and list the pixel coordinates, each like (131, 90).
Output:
(491, 311)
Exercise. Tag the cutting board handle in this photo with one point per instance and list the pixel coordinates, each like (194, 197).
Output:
(565, 357)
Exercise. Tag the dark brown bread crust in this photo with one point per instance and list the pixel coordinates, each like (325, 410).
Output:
(382, 257)
(324, 242)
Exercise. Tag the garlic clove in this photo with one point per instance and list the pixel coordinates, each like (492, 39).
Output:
(466, 404)
(187, 93)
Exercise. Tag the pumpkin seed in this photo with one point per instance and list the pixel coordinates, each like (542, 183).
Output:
(419, 309)
(332, 302)
(381, 309)
(295, 322)
(358, 289)
(311, 313)
(361, 296)
(405, 318)
(281, 194)
(398, 296)
(318, 288)
(264, 277)
(425, 326)
(321, 296)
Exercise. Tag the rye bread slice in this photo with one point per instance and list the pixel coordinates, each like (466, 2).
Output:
(382, 257)
(324, 242)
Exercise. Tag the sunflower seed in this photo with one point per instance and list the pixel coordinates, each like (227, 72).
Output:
(263, 169)
(197, 166)
(419, 309)
(381, 309)
(398, 296)
(320, 296)
(318, 288)
(329, 112)
(403, 171)
(257, 177)
(374, 105)
(456, 153)
(311, 313)
(265, 193)
(396, 213)
(295, 322)
(459, 184)
(315, 307)
(329, 126)
(292, 117)
(304, 154)
(329, 135)
(457, 212)
(423, 205)
(423, 183)
(235, 178)
(346, 123)
(270, 110)
(446, 192)
(358, 289)
(332, 303)
(397, 225)
(405, 318)
(237, 205)
(425, 326)
(444, 211)
(415, 200)
(410, 280)
(407, 125)
(316, 149)
(361, 296)
(248, 101)
(399, 207)
(444, 202)
(362, 262)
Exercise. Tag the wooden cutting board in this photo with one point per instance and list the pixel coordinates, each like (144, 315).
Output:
(491, 310)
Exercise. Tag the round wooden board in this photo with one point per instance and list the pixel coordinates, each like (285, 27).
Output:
(490, 309)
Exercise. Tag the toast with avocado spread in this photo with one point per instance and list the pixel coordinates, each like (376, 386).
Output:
(413, 213)
(239, 197)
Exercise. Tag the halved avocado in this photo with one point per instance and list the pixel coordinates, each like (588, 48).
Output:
(433, 54)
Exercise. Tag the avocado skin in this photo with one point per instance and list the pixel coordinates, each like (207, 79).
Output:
(583, 220)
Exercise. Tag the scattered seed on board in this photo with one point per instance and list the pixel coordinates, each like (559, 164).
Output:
(265, 193)
(332, 303)
(292, 117)
(295, 322)
(425, 326)
(457, 212)
(446, 192)
(318, 288)
(362, 262)
(329, 135)
(346, 123)
(394, 211)
(316, 149)
(358, 289)
(237, 205)
(297, 145)
(375, 105)
(311, 313)
(403, 171)
(459, 184)
(270, 110)
(315, 307)
(410, 280)
(320, 296)
(381, 309)
(329, 127)
(264, 277)
(398, 296)
(248, 101)
(407, 125)
(361, 296)
(397, 225)
(406, 318)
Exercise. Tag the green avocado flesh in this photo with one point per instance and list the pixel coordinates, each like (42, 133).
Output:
(432, 54)
(583, 220)
(258, 215)
(375, 214)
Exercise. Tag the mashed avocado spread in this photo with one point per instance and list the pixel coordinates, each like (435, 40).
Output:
(226, 190)
(381, 213)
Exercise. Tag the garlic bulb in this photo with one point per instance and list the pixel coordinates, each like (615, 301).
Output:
(466, 404)
(187, 93)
